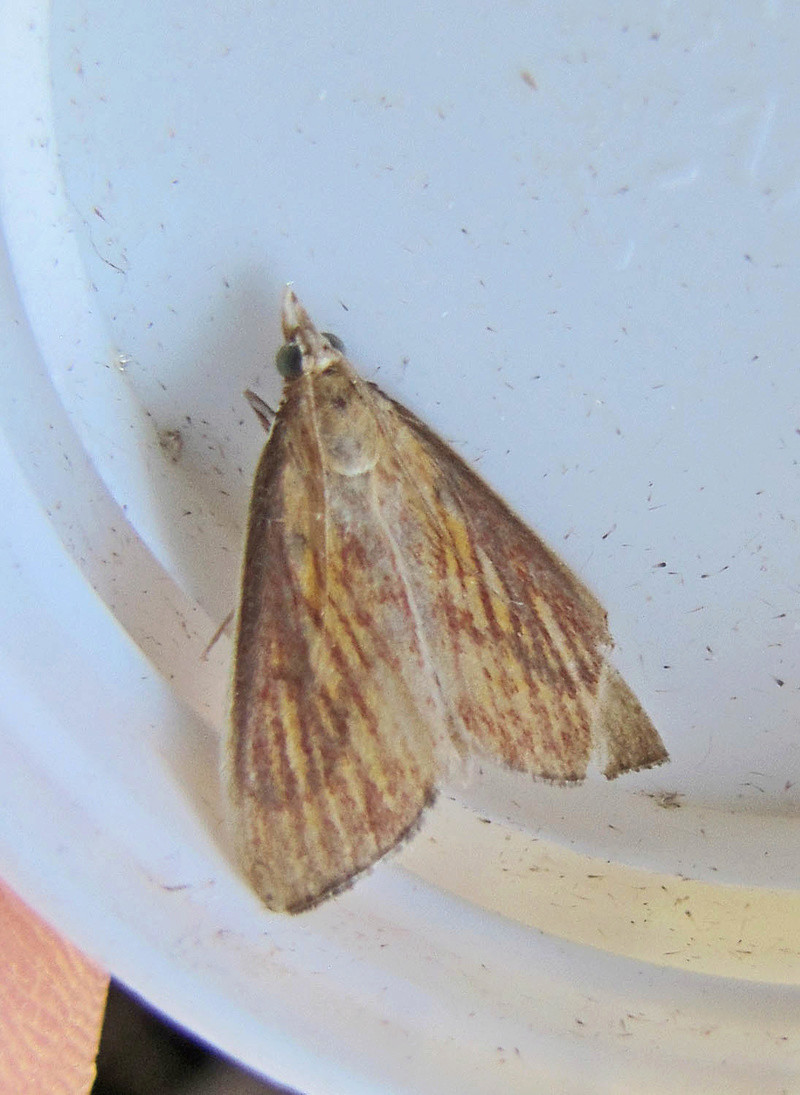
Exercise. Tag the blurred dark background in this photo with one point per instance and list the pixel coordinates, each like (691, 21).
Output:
(142, 1053)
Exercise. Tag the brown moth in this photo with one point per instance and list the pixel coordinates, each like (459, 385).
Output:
(395, 614)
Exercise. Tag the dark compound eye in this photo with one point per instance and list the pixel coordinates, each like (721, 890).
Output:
(334, 340)
(289, 361)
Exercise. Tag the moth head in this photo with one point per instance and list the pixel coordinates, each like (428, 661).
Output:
(289, 358)
(305, 350)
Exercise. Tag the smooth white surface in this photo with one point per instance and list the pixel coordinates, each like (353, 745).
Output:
(590, 287)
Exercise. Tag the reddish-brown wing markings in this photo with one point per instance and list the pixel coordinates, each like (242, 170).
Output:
(334, 755)
(519, 644)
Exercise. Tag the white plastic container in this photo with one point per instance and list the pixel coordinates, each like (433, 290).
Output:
(567, 237)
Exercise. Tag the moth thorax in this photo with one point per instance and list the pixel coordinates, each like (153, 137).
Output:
(348, 432)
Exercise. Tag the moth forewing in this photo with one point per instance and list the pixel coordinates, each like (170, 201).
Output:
(393, 607)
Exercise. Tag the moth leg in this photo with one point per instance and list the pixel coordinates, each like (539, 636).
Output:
(266, 415)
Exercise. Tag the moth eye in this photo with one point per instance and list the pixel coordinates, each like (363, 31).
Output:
(334, 340)
(289, 361)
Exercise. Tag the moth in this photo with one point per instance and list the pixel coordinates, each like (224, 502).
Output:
(395, 615)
